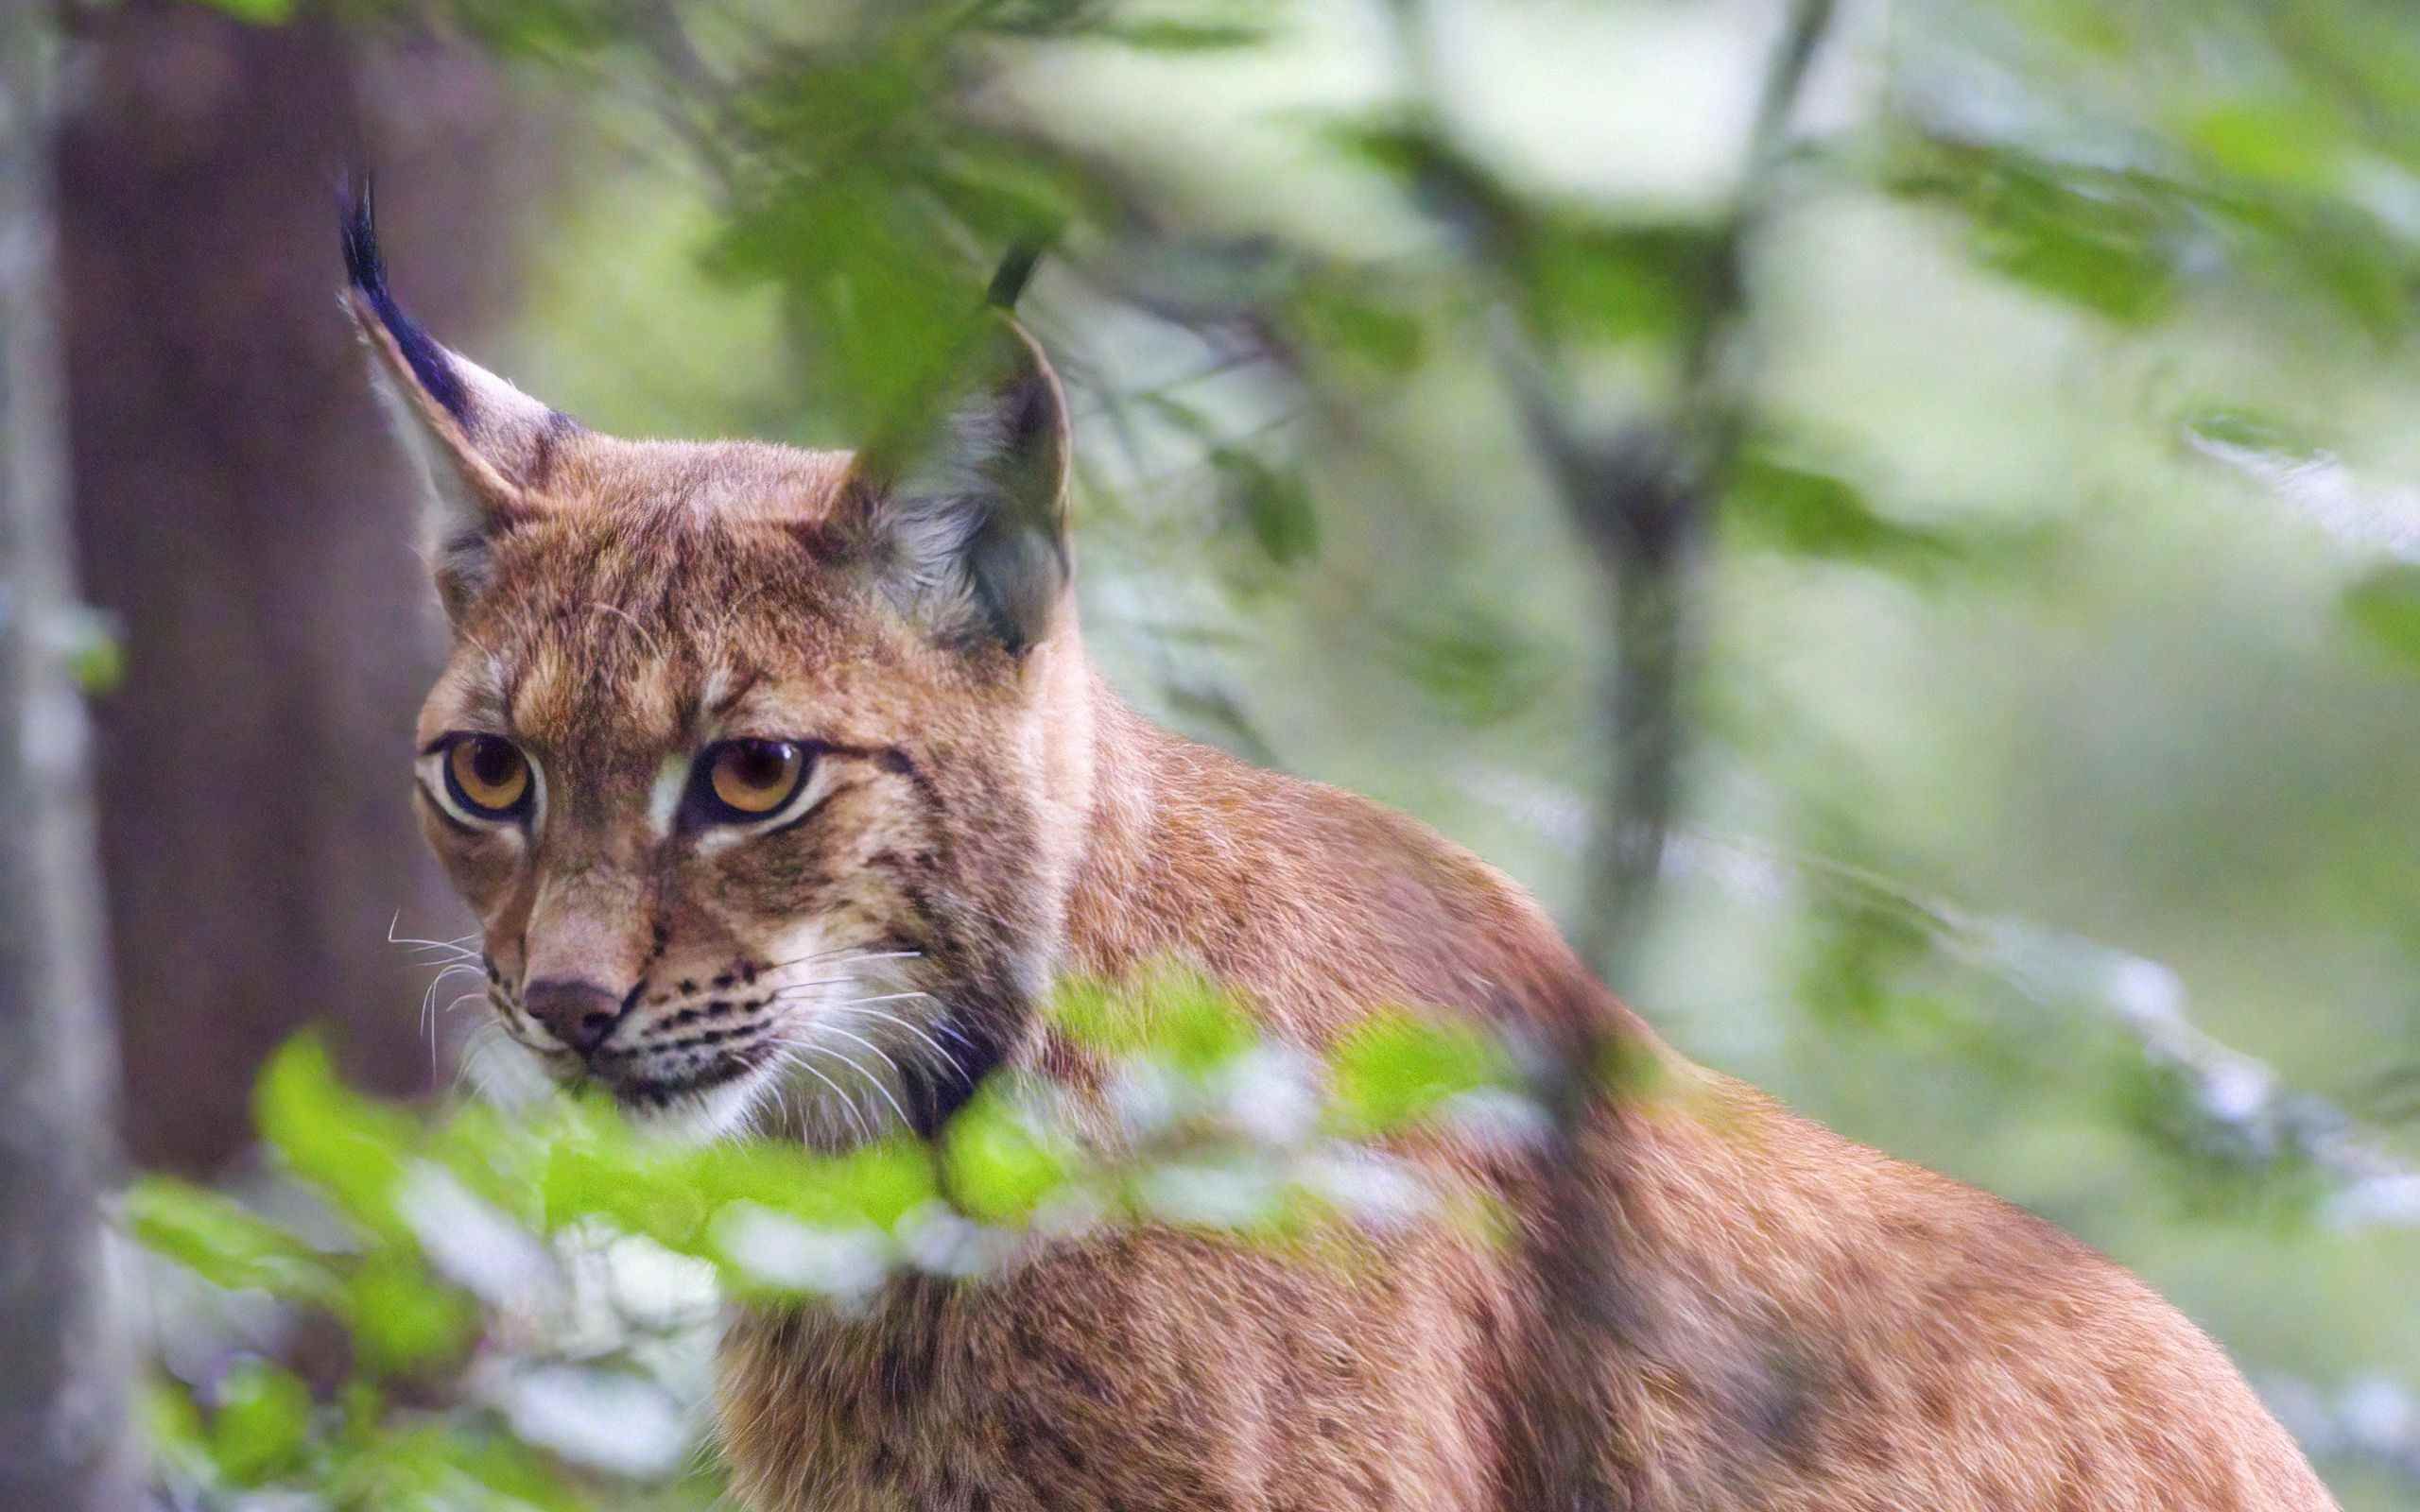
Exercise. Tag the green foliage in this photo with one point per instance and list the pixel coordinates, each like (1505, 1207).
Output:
(1002, 1168)
(95, 648)
(1275, 506)
(1818, 515)
(1394, 1071)
(2111, 242)
(1863, 961)
(2384, 606)
(1588, 280)
(1172, 1016)
(1360, 328)
(1467, 661)
(2297, 143)
(352, 1148)
(262, 1423)
(1168, 35)
(259, 13)
(226, 1244)
(403, 1318)
(430, 1236)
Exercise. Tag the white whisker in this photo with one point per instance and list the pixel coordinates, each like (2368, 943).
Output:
(428, 999)
(457, 943)
(855, 1010)
(885, 997)
(844, 949)
(871, 1080)
(780, 988)
(790, 1057)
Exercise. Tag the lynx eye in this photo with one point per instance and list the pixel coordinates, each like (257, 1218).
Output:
(488, 776)
(750, 779)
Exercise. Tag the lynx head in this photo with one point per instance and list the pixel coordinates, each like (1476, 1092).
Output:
(762, 768)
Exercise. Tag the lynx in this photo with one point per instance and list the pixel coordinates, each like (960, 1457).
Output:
(735, 737)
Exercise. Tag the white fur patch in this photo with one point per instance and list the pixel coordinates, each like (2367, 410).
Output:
(664, 798)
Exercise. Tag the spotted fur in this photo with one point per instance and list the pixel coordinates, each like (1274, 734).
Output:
(1792, 1322)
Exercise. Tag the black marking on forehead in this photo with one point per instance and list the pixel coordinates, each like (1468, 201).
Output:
(542, 453)
(747, 684)
(477, 694)
(894, 760)
(505, 686)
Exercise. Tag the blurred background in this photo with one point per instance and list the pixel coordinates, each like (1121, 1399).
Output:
(1898, 518)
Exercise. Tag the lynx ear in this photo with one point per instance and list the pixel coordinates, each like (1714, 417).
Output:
(483, 446)
(965, 520)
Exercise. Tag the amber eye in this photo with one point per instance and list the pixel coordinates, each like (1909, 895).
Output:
(750, 779)
(487, 775)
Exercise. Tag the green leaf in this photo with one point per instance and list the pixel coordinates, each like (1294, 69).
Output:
(1096, 1014)
(2109, 242)
(2384, 607)
(1808, 513)
(2249, 430)
(1590, 281)
(1408, 149)
(1172, 1016)
(1393, 1070)
(95, 646)
(1330, 314)
(869, 284)
(633, 1193)
(1859, 964)
(226, 1244)
(1467, 658)
(1172, 36)
(403, 1318)
(999, 1170)
(2295, 144)
(1196, 1026)
(875, 1185)
(1582, 278)
(353, 1148)
(262, 1423)
(532, 28)
(445, 1466)
(171, 1426)
(1274, 505)
(514, 1472)
(2105, 254)
(259, 13)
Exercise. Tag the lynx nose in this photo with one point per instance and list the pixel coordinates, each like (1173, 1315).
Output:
(580, 1014)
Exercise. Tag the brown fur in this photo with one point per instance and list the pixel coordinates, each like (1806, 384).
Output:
(1800, 1323)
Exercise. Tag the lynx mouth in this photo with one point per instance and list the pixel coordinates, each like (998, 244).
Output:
(639, 1088)
(691, 1104)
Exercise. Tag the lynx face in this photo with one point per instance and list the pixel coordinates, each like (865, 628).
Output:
(755, 764)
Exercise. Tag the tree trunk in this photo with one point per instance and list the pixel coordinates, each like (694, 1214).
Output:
(62, 1437)
(247, 519)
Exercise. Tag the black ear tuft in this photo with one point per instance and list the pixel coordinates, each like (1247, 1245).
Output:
(367, 272)
(1015, 272)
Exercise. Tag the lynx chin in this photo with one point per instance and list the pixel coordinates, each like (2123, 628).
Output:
(782, 788)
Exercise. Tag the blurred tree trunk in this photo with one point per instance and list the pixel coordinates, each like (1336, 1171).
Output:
(245, 516)
(62, 1437)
